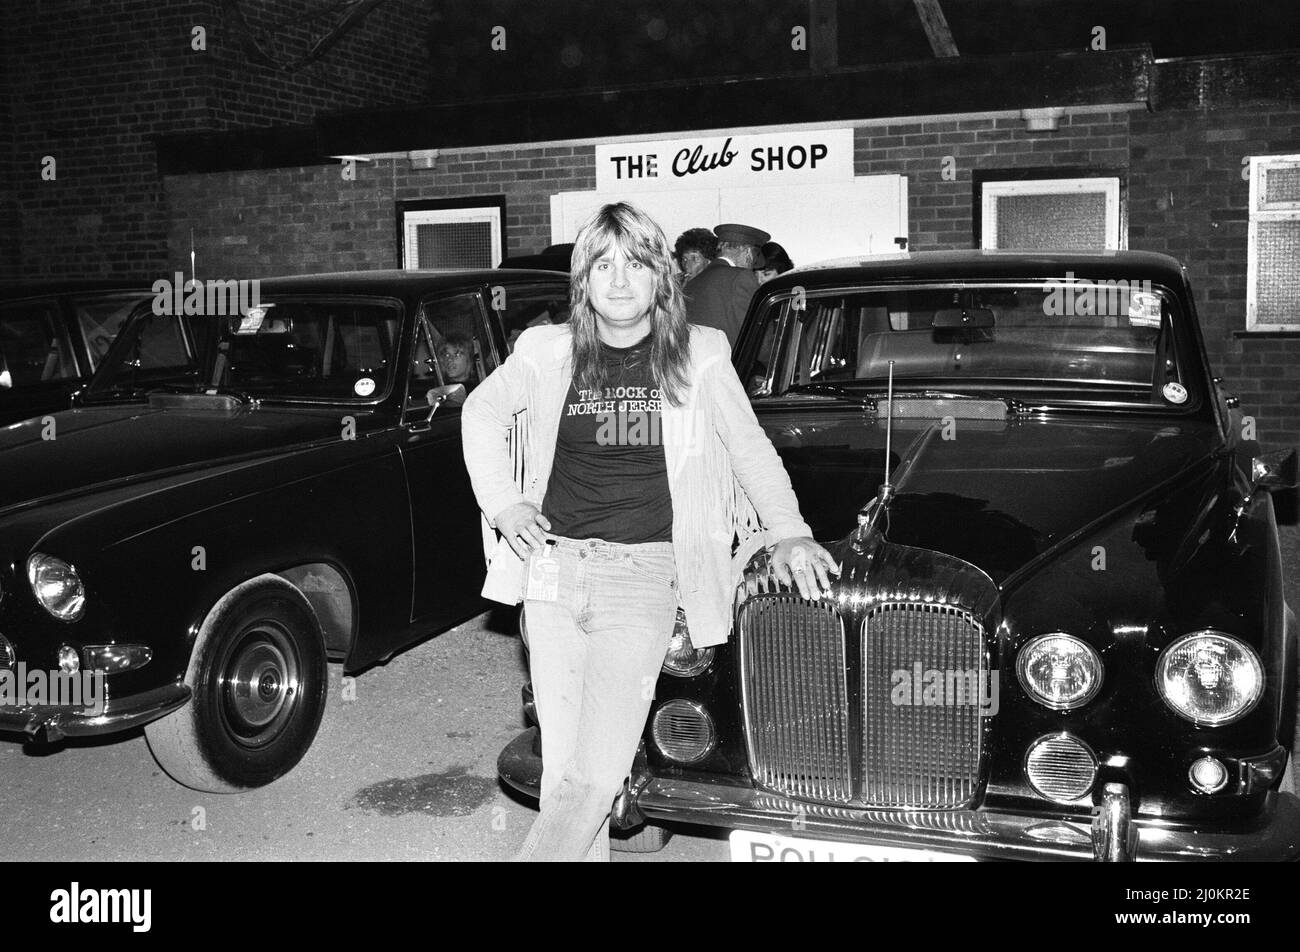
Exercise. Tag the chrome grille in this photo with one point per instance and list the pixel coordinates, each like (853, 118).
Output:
(792, 659)
(915, 754)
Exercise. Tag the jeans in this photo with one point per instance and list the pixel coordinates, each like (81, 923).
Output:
(594, 654)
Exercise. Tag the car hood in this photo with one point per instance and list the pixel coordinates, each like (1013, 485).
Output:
(101, 447)
(997, 494)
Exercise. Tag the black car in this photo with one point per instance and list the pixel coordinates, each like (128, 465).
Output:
(237, 498)
(1060, 629)
(53, 336)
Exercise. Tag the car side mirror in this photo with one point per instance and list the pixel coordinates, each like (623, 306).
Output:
(1273, 471)
(453, 393)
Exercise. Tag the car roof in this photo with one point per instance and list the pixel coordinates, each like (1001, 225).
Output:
(984, 265)
(398, 282)
(11, 290)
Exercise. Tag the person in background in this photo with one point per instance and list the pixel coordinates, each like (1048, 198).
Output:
(456, 357)
(616, 524)
(776, 262)
(719, 295)
(695, 248)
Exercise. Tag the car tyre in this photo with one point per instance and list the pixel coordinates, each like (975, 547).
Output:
(259, 677)
(646, 838)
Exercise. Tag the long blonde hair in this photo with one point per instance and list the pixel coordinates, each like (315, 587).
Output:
(639, 238)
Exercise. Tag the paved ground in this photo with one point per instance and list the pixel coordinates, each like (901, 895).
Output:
(406, 771)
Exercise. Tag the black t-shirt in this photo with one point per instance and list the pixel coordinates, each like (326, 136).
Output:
(609, 480)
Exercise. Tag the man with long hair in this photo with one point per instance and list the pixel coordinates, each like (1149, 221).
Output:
(618, 458)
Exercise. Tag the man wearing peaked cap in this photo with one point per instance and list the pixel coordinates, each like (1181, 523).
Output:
(719, 295)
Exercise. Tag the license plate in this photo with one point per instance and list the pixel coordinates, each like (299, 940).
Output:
(750, 847)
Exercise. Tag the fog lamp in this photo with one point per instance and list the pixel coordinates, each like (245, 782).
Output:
(683, 731)
(1208, 775)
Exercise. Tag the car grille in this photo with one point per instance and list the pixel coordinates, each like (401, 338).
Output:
(917, 754)
(796, 700)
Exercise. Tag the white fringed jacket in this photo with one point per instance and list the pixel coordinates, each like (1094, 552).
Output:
(725, 478)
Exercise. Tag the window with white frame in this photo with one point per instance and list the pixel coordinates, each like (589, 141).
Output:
(1052, 214)
(451, 233)
(1273, 258)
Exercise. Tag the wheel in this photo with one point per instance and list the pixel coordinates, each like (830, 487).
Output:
(259, 677)
(646, 838)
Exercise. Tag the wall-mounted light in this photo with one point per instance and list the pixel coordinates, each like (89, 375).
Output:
(423, 159)
(1042, 120)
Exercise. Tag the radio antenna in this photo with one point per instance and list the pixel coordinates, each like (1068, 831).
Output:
(887, 490)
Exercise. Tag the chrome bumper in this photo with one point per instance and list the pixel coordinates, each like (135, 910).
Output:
(51, 723)
(1112, 834)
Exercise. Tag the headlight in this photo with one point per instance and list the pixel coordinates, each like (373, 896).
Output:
(1059, 671)
(56, 586)
(683, 659)
(1210, 678)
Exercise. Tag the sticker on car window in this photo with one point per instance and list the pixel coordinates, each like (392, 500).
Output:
(364, 387)
(1175, 392)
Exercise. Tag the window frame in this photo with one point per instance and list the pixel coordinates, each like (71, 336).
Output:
(986, 183)
(1284, 211)
(491, 208)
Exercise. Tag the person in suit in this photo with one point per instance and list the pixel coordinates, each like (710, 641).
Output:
(719, 295)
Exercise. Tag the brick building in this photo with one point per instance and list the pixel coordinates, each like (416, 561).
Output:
(233, 151)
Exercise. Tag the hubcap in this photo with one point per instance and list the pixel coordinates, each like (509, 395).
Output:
(260, 684)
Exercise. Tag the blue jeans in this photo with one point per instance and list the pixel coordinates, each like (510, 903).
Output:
(594, 654)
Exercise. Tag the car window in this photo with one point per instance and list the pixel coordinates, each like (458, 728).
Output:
(1022, 335)
(532, 307)
(450, 347)
(34, 345)
(100, 317)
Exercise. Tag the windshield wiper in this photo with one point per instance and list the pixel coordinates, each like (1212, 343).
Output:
(831, 390)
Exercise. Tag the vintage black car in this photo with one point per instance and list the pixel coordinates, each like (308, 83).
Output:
(53, 336)
(237, 498)
(1060, 631)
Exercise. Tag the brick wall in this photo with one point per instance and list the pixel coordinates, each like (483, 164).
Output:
(286, 221)
(940, 211)
(93, 84)
(1187, 198)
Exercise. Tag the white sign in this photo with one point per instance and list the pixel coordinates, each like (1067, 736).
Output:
(777, 158)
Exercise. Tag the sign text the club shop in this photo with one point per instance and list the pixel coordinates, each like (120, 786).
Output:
(775, 158)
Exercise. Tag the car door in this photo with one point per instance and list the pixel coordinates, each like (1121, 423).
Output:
(451, 348)
(39, 368)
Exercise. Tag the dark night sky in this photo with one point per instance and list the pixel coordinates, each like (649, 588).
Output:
(593, 43)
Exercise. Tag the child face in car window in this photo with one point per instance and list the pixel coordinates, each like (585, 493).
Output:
(455, 361)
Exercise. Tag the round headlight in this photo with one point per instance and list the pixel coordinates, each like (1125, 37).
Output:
(57, 587)
(1210, 678)
(683, 659)
(1059, 671)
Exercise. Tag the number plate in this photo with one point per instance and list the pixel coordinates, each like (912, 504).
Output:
(749, 847)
